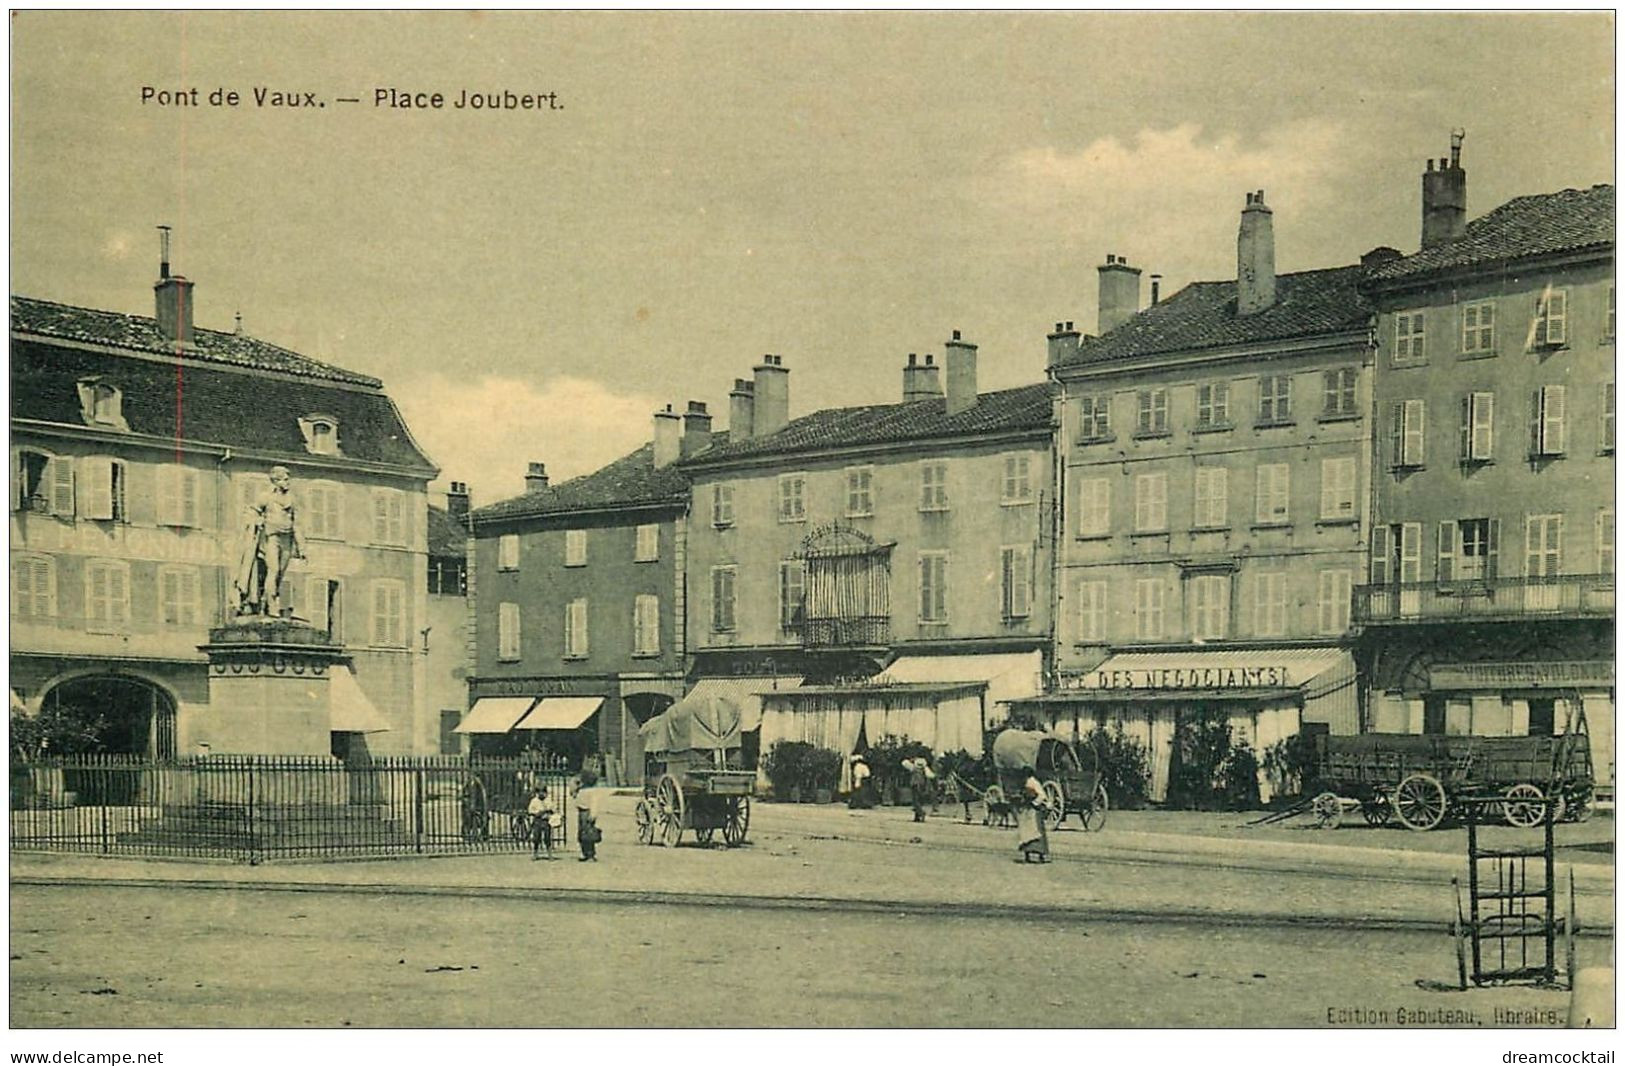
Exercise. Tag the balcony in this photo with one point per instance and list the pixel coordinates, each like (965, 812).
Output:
(856, 631)
(1495, 599)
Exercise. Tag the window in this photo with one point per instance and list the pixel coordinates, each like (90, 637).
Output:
(1396, 553)
(447, 576)
(321, 433)
(1091, 611)
(1153, 412)
(1016, 592)
(1337, 488)
(1409, 342)
(1607, 416)
(33, 586)
(934, 486)
(102, 488)
(860, 491)
(934, 587)
(1340, 392)
(1478, 328)
(793, 498)
(388, 516)
(1548, 420)
(1465, 549)
(1094, 414)
(1211, 597)
(107, 595)
(792, 594)
(388, 614)
(101, 403)
(1213, 404)
(320, 512)
(647, 548)
(1605, 540)
(1150, 503)
(1478, 427)
(575, 629)
(1274, 400)
(1148, 608)
(723, 618)
(44, 483)
(508, 648)
(178, 595)
(722, 506)
(1543, 545)
(1269, 604)
(1017, 486)
(508, 551)
(1212, 498)
(1407, 433)
(1336, 595)
(646, 625)
(1095, 507)
(1551, 325)
(1274, 496)
(575, 547)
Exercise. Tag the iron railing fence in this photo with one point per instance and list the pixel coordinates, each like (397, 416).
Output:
(258, 808)
(1501, 598)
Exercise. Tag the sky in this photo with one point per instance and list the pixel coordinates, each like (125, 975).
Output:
(838, 188)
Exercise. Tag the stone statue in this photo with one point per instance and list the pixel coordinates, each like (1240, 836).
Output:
(270, 542)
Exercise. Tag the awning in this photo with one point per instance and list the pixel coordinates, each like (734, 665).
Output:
(1009, 675)
(349, 709)
(494, 714)
(746, 691)
(560, 712)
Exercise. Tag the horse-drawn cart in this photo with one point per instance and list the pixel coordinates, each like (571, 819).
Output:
(1069, 787)
(700, 784)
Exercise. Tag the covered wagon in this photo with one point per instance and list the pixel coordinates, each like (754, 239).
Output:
(700, 783)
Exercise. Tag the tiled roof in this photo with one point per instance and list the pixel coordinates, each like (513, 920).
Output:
(1025, 408)
(141, 334)
(1203, 315)
(629, 481)
(1566, 221)
(447, 536)
(214, 405)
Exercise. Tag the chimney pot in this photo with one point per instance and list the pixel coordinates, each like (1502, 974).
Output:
(535, 477)
(696, 429)
(668, 437)
(771, 404)
(959, 357)
(741, 409)
(1255, 257)
(1444, 197)
(1119, 293)
(457, 500)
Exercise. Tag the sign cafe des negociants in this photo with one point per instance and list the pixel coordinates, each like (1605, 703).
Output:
(1193, 677)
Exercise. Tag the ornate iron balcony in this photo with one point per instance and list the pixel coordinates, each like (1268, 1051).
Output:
(1491, 599)
(848, 632)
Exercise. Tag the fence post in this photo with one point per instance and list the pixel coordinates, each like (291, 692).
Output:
(253, 849)
(417, 810)
(103, 808)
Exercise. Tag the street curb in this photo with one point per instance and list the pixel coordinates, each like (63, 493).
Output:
(997, 911)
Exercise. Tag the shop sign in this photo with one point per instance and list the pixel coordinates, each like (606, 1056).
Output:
(545, 686)
(1190, 677)
(1564, 674)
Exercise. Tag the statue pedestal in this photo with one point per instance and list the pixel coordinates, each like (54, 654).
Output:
(268, 688)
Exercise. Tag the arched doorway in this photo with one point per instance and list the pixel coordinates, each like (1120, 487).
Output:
(109, 714)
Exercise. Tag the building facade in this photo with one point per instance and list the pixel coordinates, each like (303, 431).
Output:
(1489, 598)
(136, 444)
(446, 640)
(1215, 467)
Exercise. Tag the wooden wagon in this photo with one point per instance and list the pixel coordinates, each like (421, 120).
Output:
(1423, 780)
(699, 784)
(1070, 787)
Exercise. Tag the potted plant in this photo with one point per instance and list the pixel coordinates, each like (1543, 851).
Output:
(823, 774)
(786, 767)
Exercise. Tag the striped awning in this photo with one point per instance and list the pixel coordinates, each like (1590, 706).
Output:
(560, 712)
(494, 714)
(745, 691)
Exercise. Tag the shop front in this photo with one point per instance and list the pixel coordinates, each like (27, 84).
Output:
(553, 720)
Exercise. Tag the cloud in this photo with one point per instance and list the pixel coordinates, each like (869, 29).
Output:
(486, 430)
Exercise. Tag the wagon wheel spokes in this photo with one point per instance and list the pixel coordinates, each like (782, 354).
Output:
(704, 833)
(1054, 804)
(1094, 813)
(1328, 810)
(645, 819)
(669, 796)
(737, 823)
(519, 826)
(1376, 810)
(1420, 802)
(1579, 805)
(1524, 807)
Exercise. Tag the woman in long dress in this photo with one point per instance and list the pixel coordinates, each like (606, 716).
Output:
(1032, 835)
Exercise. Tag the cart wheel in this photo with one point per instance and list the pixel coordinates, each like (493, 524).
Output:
(1579, 806)
(519, 826)
(1328, 811)
(669, 797)
(1523, 807)
(993, 806)
(1420, 802)
(1094, 814)
(645, 819)
(1376, 810)
(1054, 804)
(737, 823)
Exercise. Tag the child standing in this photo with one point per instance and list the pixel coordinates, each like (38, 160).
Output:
(587, 817)
(541, 825)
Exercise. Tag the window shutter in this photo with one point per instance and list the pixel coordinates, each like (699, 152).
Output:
(96, 489)
(1607, 413)
(61, 475)
(1410, 553)
(1553, 423)
(1397, 433)
(1466, 450)
(1492, 551)
(380, 632)
(1447, 552)
(1380, 551)
(118, 594)
(1415, 420)
(1556, 316)
(168, 495)
(1482, 430)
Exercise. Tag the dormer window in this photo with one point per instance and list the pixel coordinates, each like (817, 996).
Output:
(321, 434)
(101, 403)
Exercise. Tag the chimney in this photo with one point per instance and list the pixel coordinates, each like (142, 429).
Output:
(535, 480)
(1255, 257)
(173, 295)
(1063, 343)
(668, 437)
(457, 498)
(1444, 197)
(920, 380)
(772, 397)
(960, 358)
(1156, 289)
(741, 409)
(1119, 293)
(696, 428)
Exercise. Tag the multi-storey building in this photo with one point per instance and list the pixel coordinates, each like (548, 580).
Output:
(579, 618)
(446, 640)
(1490, 599)
(878, 570)
(1214, 463)
(136, 443)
